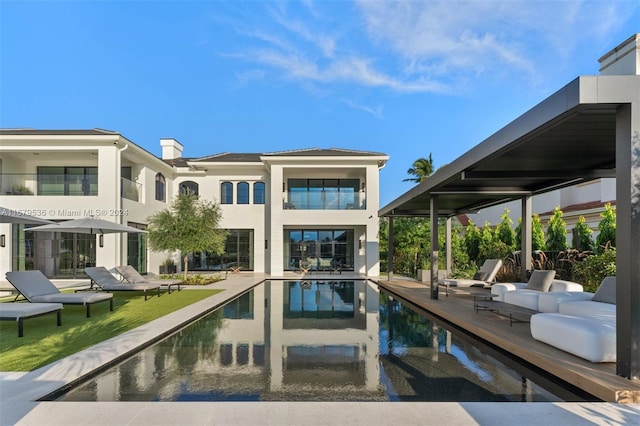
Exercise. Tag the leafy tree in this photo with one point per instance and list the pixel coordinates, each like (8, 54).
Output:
(421, 169)
(583, 240)
(472, 240)
(607, 228)
(189, 225)
(504, 231)
(537, 234)
(556, 232)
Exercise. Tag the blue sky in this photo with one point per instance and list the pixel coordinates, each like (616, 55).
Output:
(405, 78)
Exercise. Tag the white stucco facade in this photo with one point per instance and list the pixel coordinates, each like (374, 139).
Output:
(60, 175)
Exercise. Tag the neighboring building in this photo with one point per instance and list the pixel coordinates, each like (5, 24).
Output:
(279, 207)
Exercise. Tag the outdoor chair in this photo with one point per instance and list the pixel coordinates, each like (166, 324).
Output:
(36, 288)
(101, 277)
(485, 276)
(20, 311)
(132, 276)
(305, 266)
(336, 266)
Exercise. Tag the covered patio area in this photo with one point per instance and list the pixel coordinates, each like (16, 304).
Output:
(587, 130)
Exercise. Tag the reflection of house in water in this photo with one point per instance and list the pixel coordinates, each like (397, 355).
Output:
(315, 341)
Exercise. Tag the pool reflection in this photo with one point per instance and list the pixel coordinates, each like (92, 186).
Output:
(314, 341)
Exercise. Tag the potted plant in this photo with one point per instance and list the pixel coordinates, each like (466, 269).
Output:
(168, 266)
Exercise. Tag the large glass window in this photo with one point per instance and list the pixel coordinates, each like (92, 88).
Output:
(226, 193)
(67, 180)
(258, 193)
(238, 252)
(189, 187)
(243, 193)
(319, 248)
(160, 187)
(324, 194)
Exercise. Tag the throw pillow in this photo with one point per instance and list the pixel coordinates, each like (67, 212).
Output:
(541, 280)
(481, 276)
(606, 292)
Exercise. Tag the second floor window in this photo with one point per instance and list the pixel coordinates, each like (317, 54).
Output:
(258, 193)
(189, 187)
(226, 193)
(243, 193)
(160, 187)
(67, 180)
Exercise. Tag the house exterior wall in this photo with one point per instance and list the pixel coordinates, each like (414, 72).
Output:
(21, 153)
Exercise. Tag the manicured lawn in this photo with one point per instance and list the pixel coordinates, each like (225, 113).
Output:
(44, 342)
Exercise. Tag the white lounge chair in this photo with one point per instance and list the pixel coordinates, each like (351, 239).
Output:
(107, 282)
(131, 275)
(486, 275)
(36, 288)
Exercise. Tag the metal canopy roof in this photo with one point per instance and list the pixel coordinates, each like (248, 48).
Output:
(567, 139)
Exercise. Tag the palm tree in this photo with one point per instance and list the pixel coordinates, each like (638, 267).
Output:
(421, 169)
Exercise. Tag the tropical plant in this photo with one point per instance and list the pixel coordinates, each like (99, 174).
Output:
(607, 228)
(582, 239)
(189, 225)
(421, 169)
(556, 232)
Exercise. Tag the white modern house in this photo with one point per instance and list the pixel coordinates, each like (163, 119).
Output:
(279, 208)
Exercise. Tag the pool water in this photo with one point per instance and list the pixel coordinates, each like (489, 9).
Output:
(318, 341)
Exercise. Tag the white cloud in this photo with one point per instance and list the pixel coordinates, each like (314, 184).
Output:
(421, 46)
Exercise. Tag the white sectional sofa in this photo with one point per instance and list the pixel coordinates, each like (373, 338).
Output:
(585, 328)
(541, 283)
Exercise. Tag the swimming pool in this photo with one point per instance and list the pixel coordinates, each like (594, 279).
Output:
(318, 341)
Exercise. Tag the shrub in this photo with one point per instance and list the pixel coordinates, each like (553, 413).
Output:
(607, 227)
(556, 232)
(591, 271)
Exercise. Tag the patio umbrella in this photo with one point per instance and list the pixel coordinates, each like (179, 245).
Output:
(87, 225)
(15, 216)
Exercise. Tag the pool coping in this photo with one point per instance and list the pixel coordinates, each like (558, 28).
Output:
(19, 392)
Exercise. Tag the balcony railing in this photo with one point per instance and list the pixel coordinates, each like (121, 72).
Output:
(130, 190)
(48, 184)
(324, 200)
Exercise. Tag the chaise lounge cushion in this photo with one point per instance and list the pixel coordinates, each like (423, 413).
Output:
(591, 337)
(588, 307)
(550, 302)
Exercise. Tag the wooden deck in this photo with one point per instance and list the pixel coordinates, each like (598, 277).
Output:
(598, 379)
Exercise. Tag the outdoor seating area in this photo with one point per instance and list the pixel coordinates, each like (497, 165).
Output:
(132, 276)
(485, 276)
(35, 287)
(584, 325)
(106, 281)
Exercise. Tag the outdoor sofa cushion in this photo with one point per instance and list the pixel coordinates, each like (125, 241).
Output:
(606, 292)
(518, 294)
(591, 337)
(541, 280)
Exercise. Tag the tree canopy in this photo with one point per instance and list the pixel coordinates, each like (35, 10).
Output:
(421, 169)
(189, 225)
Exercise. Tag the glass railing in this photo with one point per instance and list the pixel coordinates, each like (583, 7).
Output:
(130, 190)
(324, 200)
(48, 184)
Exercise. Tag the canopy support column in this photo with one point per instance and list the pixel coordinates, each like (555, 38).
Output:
(433, 206)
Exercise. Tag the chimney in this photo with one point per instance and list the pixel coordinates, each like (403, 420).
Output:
(171, 149)
(623, 59)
